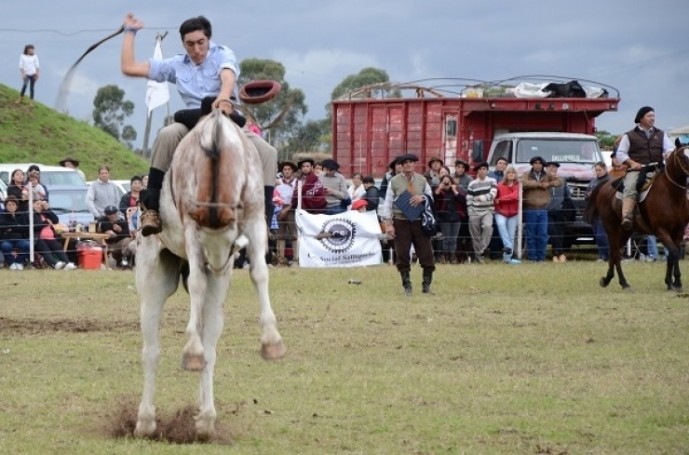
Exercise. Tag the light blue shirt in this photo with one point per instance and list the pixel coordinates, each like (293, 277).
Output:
(195, 82)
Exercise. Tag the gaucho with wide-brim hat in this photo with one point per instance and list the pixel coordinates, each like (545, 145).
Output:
(68, 159)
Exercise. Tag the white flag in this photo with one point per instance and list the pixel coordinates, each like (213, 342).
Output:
(157, 93)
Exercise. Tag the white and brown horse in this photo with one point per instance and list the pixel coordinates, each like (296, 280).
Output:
(211, 205)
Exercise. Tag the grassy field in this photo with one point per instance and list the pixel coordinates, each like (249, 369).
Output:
(39, 134)
(534, 359)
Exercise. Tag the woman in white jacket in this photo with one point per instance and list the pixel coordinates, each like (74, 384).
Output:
(29, 69)
(356, 190)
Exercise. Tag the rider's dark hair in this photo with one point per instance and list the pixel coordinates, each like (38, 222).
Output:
(194, 24)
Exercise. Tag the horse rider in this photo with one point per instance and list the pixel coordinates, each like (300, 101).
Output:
(639, 147)
(206, 69)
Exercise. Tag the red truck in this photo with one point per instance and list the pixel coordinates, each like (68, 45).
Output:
(368, 132)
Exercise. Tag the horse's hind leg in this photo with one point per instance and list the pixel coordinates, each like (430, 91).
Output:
(216, 291)
(157, 275)
(272, 346)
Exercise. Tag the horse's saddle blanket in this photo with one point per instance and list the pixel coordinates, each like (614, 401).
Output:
(643, 186)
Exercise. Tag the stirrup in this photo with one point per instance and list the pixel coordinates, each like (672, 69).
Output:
(150, 223)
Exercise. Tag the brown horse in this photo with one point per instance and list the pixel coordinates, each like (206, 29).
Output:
(664, 213)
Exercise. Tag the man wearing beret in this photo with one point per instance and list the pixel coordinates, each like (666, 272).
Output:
(405, 230)
(336, 195)
(643, 145)
(535, 185)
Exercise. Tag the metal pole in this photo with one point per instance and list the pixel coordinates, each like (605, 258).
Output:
(519, 223)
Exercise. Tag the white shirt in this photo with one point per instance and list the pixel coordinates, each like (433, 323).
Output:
(28, 64)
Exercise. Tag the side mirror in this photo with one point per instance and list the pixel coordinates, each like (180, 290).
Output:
(477, 151)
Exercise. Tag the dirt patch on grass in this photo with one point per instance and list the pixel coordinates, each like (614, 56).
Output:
(177, 428)
(32, 326)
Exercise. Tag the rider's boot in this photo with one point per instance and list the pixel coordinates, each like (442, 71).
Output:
(150, 202)
(628, 213)
(406, 283)
(427, 280)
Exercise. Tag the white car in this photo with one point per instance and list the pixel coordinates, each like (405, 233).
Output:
(50, 175)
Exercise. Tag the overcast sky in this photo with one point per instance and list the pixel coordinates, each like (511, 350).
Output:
(642, 51)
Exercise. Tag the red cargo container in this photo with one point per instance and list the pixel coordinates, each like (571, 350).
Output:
(367, 133)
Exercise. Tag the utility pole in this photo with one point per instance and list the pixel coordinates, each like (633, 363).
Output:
(147, 130)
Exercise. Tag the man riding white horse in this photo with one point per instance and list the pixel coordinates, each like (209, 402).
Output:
(640, 147)
(207, 69)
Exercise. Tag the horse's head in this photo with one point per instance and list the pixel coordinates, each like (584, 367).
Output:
(680, 156)
(214, 152)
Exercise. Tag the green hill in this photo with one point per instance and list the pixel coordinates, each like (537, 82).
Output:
(40, 134)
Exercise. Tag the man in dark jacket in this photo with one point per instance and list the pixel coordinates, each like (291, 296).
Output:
(120, 242)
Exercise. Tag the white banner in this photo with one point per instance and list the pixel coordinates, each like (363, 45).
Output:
(157, 93)
(348, 239)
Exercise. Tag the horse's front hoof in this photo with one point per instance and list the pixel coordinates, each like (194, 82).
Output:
(603, 282)
(675, 289)
(626, 287)
(193, 362)
(273, 351)
(145, 428)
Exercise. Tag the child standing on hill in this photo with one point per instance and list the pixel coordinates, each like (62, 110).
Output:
(29, 69)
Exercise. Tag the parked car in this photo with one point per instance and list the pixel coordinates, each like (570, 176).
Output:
(125, 186)
(69, 204)
(50, 175)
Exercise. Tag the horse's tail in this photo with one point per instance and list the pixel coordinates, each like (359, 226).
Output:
(591, 211)
(219, 173)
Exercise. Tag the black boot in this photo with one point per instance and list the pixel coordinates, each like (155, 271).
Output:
(268, 202)
(427, 280)
(150, 200)
(406, 282)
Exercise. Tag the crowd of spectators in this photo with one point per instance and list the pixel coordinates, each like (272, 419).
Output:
(477, 209)
(21, 224)
(474, 213)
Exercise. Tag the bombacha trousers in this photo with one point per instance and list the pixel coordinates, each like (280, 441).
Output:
(408, 233)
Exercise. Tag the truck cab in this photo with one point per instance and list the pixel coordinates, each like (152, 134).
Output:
(576, 153)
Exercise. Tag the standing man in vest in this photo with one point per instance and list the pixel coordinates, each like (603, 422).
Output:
(640, 147)
(406, 229)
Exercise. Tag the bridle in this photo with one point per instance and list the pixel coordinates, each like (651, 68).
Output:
(678, 162)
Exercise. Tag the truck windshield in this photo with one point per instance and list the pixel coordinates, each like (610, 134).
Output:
(562, 151)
